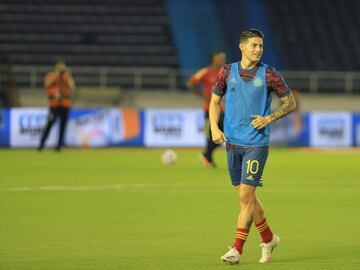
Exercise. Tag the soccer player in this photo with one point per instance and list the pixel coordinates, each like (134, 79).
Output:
(207, 78)
(248, 85)
(59, 84)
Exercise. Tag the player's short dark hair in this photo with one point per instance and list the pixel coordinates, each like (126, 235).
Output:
(250, 33)
(213, 54)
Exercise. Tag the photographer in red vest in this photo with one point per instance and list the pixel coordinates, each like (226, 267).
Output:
(59, 84)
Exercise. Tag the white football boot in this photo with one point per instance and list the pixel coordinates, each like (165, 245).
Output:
(268, 248)
(231, 257)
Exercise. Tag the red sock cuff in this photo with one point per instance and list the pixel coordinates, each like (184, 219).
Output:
(264, 230)
(261, 223)
(243, 230)
(241, 236)
(242, 233)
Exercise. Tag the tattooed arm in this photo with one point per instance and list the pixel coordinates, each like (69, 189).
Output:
(287, 105)
(276, 83)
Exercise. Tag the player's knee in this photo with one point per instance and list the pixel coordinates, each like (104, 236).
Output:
(247, 201)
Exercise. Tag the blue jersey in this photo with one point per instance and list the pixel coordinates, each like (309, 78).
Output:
(244, 99)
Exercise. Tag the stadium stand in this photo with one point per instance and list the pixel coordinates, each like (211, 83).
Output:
(235, 16)
(156, 44)
(325, 39)
(312, 42)
(197, 31)
(86, 32)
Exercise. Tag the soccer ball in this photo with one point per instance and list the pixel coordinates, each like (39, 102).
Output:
(169, 157)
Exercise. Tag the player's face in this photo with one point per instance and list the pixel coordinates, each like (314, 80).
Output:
(219, 60)
(60, 66)
(252, 49)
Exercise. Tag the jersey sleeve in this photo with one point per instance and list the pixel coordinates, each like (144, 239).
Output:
(276, 83)
(198, 76)
(221, 81)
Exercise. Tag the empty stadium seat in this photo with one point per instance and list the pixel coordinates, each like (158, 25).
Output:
(86, 32)
(325, 39)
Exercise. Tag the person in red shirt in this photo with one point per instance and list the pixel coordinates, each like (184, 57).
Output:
(59, 84)
(206, 77)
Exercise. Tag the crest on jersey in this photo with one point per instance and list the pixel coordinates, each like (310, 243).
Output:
(233, 80)
(258, 82)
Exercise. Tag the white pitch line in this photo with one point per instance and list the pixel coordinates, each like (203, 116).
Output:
(212, 187)
(99, 187)
(79, 188)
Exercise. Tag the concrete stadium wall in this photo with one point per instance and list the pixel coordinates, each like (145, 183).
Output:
(172, 99)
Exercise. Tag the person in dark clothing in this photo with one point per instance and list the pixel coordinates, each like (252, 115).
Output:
(206, 77)
(59, 84)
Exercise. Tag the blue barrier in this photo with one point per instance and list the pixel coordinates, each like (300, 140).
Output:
(85, 128)
(116, 127)
(22, 127)
(4, 128)
(356, 129)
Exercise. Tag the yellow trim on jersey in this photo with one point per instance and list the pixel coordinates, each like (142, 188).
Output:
(200, 73)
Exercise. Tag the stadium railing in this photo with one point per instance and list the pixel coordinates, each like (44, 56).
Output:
(316, 82)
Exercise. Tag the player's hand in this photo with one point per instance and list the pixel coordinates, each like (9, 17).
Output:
(259, 121)
(56, 74)
(218, 136)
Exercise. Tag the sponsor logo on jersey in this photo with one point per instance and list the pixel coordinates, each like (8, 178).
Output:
(258, 82)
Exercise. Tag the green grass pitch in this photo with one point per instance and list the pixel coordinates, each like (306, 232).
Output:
(121, 209)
